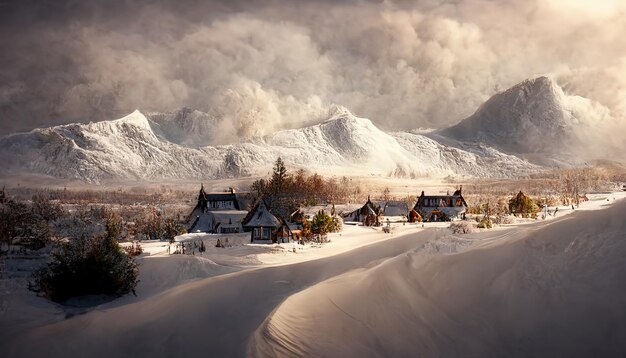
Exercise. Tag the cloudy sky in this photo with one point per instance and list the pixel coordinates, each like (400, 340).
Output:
(272, 64)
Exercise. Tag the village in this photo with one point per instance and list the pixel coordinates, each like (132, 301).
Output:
(291, 219)
(271, 222)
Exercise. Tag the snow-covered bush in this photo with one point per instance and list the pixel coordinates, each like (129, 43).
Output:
(485, 223)
(463, 227)
(503, 219)
(87, 267)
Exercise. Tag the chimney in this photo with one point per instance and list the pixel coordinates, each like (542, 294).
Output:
(232, 190)
(422, 193)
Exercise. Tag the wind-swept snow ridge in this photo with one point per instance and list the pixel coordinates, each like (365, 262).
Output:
(136, 147)
(553, 291)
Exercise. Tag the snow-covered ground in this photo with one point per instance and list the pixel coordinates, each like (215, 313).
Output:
(357, 287)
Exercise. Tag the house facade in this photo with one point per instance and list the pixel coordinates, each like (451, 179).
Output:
(217, 213)
(261, 223)
(441, 207)
(368, 215)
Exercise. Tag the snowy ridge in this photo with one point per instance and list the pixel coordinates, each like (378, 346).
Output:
(136, 147)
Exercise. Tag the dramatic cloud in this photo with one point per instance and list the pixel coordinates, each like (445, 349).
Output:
(278, 64)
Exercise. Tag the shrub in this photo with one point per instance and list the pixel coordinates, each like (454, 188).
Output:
(87, 267)
(462, 227)
(523, 204)
(503, 219)
(134, 249)
(485, 223)
(322, 223)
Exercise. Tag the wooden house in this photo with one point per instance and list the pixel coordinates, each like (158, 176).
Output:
(288, 232)
(369, 214)
(261, 223)
(217, 213)
(441, 207)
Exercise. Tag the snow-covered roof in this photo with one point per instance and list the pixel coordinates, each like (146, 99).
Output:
(395, 208)
(261, 217)
(310, 211)
(207, 221)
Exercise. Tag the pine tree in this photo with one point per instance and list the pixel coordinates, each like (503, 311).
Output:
(279, 176)
(87, 267)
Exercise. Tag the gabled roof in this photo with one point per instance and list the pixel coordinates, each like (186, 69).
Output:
(204, 197)
(395, 208)
(456, 195)
(260, 216)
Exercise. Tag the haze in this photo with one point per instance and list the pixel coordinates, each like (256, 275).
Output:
(278, 64)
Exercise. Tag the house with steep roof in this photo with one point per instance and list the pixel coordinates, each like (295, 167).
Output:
(217, 213)
(369, 214)
(261, 223)
(441, 207)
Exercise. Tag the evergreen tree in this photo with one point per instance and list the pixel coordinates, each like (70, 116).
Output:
(279, 176)
(87, 267)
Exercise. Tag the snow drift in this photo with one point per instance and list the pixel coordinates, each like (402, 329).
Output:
(555, 291)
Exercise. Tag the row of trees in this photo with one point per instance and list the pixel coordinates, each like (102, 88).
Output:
(285, 192)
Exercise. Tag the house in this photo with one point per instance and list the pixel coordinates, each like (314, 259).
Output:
(395, 209)
(217, 213)
(288, 232)
(308, 212)
(261, 223)
(441, 207)
(369, 214)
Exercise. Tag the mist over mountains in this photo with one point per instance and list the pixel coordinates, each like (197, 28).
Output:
(517, 132)
(269, 65)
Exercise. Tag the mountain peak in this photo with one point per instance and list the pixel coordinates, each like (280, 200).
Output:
(530, 117)
(135, 118)
(543, 87)
(337, 111)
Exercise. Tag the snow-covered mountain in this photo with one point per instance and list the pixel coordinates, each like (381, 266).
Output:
(187, 127)
(136, 147)
(532, 118)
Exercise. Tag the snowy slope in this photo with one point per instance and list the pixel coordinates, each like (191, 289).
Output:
(135, 147)
(534, 116)
(187, 127)
(542, 291)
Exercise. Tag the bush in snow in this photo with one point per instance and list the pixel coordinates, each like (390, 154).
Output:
(463, 227)
(523, 204)
(503, 219)
(322, 224)
(134, 249)
(485, 223)
(87, 267)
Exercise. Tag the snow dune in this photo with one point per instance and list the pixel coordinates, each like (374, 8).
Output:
(214, 316)
(547, 290)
